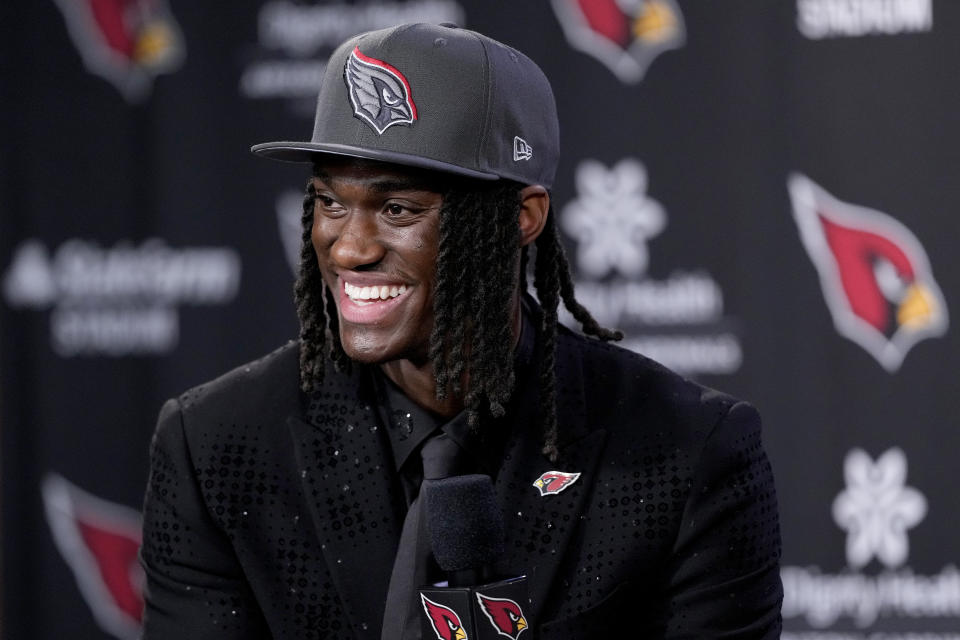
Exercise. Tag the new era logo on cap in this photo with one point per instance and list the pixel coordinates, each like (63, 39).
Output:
(521, 150)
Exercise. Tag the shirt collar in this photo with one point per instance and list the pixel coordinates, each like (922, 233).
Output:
(408, 424)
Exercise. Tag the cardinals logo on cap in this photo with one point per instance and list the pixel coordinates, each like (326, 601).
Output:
(504, 614)
(553, 482)
(625, 35)
(445, 622)
(99, 540)
(874, 273)
(128, 42)
(379, 93)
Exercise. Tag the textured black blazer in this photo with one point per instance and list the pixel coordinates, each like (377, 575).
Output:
(260, 521)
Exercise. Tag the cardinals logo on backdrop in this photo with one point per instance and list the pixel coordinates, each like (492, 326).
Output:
(128, 42)
(445, 622)
(99, 540)
(504, 614)
(380, 94)
(625, 35)
(553, 482)
(875, 275)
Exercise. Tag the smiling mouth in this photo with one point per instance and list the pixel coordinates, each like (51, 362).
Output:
(373, 294)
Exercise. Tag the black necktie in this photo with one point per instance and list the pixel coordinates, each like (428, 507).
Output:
(442, 458)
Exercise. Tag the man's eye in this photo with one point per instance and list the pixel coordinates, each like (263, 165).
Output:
(328, 206)
(395, 209)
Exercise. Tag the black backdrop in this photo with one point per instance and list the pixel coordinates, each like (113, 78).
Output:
(780, 176)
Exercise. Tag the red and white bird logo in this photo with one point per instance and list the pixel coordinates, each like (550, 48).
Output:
(445, 621)
(504, 614)
(874, 273)
(99, 540)
(553, 482)
(625, 35)
(128, 42)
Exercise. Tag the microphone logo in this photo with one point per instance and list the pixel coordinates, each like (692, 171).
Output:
(445, 622)
(504, 614)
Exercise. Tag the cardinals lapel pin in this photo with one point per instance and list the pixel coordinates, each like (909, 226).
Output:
(553, 482)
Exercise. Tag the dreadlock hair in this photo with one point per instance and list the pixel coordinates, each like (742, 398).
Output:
(477, 263)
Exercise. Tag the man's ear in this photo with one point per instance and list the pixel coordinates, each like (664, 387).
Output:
(534, 207)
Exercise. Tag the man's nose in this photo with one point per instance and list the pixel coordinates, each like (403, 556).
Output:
(358, 243)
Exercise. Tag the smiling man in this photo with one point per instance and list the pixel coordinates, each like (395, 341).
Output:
(285, 497)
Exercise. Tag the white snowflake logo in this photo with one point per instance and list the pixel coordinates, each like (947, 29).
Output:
(612, 218)
(877, 508)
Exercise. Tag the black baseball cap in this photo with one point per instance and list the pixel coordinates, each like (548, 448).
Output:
(437, 97)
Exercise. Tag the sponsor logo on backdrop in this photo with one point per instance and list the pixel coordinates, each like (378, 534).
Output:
(625, 35)
(818, 19)
(99, 540)
(877, 508)
(875, 274)
(677, 320)
(127, 42)
(877, 590)
(296, 39)
(118, 301)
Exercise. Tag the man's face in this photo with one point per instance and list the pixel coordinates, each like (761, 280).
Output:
(375, 232)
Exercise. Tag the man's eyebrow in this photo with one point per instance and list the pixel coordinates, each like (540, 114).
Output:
(411, 184)
(386, 186)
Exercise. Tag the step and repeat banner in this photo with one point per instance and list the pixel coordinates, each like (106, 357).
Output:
(763, 194)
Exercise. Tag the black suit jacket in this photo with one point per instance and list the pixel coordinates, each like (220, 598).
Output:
(260, 521)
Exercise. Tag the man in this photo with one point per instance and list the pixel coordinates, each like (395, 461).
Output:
(284, 497)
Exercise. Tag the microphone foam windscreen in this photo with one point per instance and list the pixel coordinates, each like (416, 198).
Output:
(464, 520)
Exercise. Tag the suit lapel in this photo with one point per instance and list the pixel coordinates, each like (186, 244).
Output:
(346, 473)
(539, 528)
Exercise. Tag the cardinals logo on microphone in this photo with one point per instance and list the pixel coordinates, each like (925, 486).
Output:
(875, 274)
(504, 614)
(444, 621)
(128, 42)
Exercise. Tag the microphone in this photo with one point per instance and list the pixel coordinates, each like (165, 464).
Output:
(465, 526)
(466, 533)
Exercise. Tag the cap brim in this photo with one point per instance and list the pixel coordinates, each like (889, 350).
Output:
(308, 152)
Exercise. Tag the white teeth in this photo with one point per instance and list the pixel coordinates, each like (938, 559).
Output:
(381, 292)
